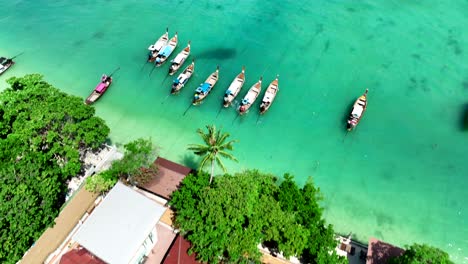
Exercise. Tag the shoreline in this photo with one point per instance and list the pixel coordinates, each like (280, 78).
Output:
(359, 235)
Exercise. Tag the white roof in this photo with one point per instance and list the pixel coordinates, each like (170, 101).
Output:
(119, 225)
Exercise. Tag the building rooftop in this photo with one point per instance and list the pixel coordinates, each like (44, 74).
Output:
(80, 256)
(380, 252)
(167, 179)
(178, 253)
(51, 239)
(119, 225)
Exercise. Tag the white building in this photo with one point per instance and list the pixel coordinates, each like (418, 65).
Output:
(122, 229)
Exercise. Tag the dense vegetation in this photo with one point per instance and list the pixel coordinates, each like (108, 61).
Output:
(422, 254)
(135, 168)
(43, 133)
(227, 220)
(215, 147)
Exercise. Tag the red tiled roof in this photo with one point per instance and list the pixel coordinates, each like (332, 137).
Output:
(80, 256)
(380, 252)
(177, 254)
(167, 179)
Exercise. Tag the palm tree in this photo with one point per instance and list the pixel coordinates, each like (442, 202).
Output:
(214, 149)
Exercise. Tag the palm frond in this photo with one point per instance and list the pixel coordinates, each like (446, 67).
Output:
(196, 146)
(198, 149)
(215, 142)
(212, 135)
(203, 162)
(227, 155)
(229, 144)
(222, 138)
(220, 163)
(205, 137)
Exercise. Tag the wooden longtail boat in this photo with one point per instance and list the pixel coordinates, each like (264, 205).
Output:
(166, 51)
(269, 95)
(5, 64)
(101, 88)
(205, 88)
(179, 60)
(359, 108)
(250, 97)
(234, 88)
(155, 48)
(183, 78)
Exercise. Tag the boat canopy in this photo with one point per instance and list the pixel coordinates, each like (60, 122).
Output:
(181, 79)
(250, 97)
(203, 88)
(178, 59)
(166, 51)
(100, 88)
(357, 111)
(268, 96)
(2, 60)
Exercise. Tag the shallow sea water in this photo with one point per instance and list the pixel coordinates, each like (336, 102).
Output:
(401, 176)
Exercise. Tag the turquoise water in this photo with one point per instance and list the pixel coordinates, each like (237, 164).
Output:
(401, 176)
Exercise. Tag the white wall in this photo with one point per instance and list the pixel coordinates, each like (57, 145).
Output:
(146, 246)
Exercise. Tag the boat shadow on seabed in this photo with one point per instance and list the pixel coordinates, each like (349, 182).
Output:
(464, 118)
(345, 116)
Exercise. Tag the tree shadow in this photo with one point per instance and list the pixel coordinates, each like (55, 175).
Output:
(346, 111)
(190, 161)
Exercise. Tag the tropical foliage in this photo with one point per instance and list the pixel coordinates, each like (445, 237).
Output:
(135, 168)
(43, 133)
(227, 220)
(215, 148)
(422, 254)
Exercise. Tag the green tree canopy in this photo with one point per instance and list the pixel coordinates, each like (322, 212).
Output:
(226, 221)
(136, 167)
(215, 148)
(304, 204)
(422, 254)
(43, 133)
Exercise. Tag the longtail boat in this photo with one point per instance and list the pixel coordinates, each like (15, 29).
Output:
(183, 78)
(179, 60)
(250, 97)
(101, 88)
(205, 88)
(166, 51)
(234, 88)
(269, 95)
(155, 48)
(359, 108)
(5, 64)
